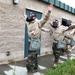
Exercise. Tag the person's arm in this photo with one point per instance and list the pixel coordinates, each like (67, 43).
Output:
(25, 16)
(69, 34)
(46, 17)
(50, 24)
(45, 29)
(48, 30)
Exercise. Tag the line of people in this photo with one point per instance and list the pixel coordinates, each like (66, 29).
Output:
(60, 34)
(63, 37)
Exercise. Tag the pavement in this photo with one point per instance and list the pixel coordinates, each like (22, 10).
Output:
(44, 63)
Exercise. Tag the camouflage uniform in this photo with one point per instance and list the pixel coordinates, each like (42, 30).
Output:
(35, 26)
(68, 36)
(34, 32)
(57, 35)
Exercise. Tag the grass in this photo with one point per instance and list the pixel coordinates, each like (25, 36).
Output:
(67, 68)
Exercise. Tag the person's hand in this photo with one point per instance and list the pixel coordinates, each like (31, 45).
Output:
(23, 12)
(50, 7)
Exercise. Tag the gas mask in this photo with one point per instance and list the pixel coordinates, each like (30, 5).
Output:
(55, 23)
(30, 17)
(68, 23)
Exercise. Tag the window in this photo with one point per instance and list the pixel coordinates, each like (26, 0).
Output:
(64, 21)
(38, 14)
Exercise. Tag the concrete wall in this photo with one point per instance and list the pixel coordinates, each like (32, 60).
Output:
(12, 28)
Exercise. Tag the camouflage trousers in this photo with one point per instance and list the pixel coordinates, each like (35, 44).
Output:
(57, 52)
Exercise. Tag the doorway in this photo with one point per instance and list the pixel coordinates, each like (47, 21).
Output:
(38, 15)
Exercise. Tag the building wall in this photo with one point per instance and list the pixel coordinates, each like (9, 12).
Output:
(12, 28)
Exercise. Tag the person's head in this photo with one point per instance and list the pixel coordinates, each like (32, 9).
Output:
(69, 22)
(31, 16)
(55, 23)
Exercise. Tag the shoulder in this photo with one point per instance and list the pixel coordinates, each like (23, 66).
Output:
(62, 26)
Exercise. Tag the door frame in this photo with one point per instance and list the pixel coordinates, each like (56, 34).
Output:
(26, 32)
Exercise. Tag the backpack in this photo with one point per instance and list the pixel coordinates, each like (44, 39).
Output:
(34, 44)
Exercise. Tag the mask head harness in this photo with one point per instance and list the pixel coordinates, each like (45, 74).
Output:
(55, 23)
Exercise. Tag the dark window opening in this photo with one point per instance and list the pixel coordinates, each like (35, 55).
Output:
(66, 22)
